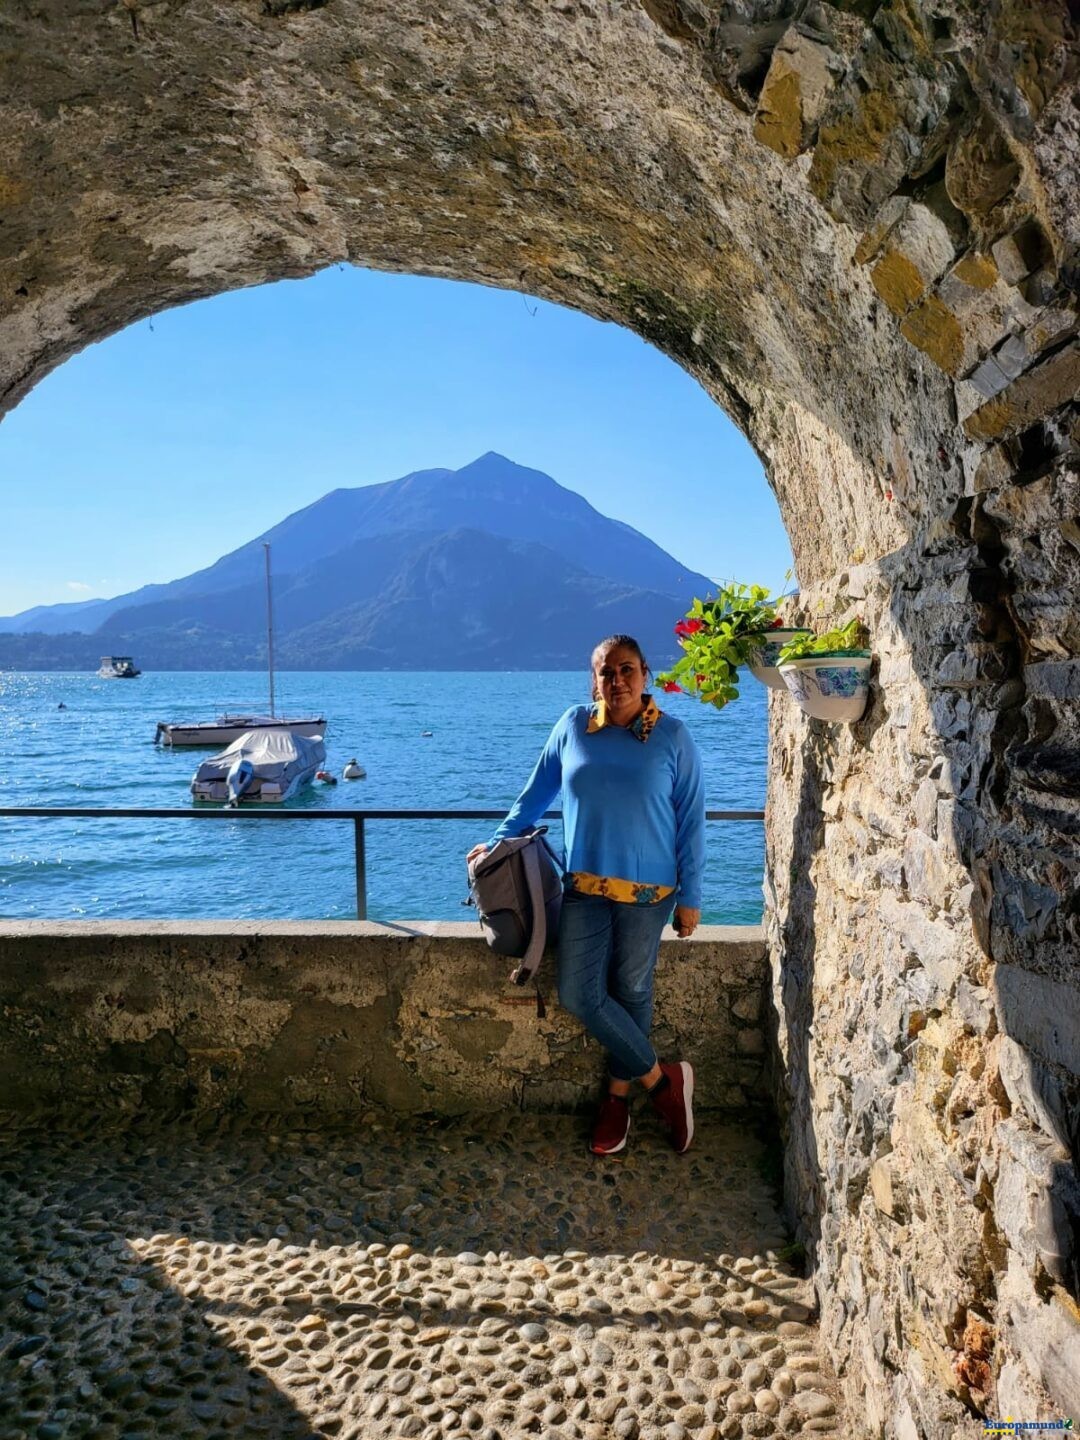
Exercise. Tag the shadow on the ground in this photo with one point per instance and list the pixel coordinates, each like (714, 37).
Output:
(105, 1339)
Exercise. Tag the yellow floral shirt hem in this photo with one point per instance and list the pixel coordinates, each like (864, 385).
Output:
(610, 887)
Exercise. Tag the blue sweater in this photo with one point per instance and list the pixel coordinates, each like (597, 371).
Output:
(632, 809)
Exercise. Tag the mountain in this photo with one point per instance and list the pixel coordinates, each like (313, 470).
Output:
(489, 567)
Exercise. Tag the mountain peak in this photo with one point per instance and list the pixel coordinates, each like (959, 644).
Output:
(492, 463)
(510, 503)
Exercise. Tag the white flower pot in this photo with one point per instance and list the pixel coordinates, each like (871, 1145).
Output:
(765, 647)
(829, 687)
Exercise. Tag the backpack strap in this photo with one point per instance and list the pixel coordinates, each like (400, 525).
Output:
(538, 939)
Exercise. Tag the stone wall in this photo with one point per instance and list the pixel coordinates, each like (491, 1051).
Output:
(856, 224)
(333, 1019)
(931, 1096)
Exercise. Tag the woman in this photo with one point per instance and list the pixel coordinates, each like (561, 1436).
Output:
(633, 803)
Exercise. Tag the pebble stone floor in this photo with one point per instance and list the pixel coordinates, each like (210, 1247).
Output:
(468, 1279)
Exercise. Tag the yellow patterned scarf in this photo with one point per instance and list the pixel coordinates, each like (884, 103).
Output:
(641, 726)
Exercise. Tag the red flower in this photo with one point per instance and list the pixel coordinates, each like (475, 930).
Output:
(777, 623)
(689, 627)
(701, 679)
(671, 687)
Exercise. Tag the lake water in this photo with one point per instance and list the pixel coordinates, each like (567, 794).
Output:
(487, 730)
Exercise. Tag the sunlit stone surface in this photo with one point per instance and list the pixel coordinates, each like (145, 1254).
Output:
(434, 1280)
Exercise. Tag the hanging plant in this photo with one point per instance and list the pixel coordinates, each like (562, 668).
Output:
(717, 636)
(829, 674)
(845, 640)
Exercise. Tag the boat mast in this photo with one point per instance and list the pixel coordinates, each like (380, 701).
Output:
(269, 627)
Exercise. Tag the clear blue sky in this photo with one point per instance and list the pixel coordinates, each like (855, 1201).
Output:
(152, 453)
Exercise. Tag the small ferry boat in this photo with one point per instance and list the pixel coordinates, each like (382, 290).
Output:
(117, 667)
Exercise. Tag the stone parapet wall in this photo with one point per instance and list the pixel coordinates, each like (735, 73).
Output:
(325, 1020)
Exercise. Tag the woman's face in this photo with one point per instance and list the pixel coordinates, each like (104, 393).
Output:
(620, 682)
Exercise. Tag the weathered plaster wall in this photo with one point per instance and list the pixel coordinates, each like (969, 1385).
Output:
(856, 224)
(333, 1019)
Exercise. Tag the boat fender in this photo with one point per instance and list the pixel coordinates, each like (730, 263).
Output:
(325, 777)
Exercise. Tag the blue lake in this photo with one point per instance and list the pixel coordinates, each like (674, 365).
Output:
(487, 730)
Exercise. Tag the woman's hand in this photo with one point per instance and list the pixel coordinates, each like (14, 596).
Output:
(475, 853)
(685, 921)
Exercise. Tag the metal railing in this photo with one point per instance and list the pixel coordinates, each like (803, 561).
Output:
(358, 818)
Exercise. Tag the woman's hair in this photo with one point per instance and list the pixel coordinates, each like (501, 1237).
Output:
(609, 643)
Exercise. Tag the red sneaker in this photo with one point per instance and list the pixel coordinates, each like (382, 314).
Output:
(611, 1128)
(675, 1104)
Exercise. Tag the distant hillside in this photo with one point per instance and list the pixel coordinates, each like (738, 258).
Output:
(470, 601)
(492, 566)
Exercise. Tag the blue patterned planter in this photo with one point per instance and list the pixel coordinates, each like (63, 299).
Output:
(829, 687)
(764, 649)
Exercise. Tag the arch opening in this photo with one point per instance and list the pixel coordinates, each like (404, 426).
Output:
(856, 226)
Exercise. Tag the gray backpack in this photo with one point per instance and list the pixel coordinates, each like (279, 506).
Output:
(517, 889)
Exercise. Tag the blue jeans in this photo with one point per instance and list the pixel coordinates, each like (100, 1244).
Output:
(607, 955)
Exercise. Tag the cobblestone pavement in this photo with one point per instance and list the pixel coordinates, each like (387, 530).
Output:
(449, 1280)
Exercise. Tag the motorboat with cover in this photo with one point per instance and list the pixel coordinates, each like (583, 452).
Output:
(261, 767)
(118, 667)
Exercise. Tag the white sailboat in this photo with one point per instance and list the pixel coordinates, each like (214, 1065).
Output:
(227, 728)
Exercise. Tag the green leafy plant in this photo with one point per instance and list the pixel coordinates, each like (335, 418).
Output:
(716, 637)
(846, 640)
(793, 1254)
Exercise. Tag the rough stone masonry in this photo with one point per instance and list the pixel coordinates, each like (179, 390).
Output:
(856, 223)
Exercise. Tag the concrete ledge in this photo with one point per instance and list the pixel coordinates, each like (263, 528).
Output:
(333, 1018)
(372, 929)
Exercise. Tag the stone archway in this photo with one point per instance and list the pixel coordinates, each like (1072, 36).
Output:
(854, 222)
